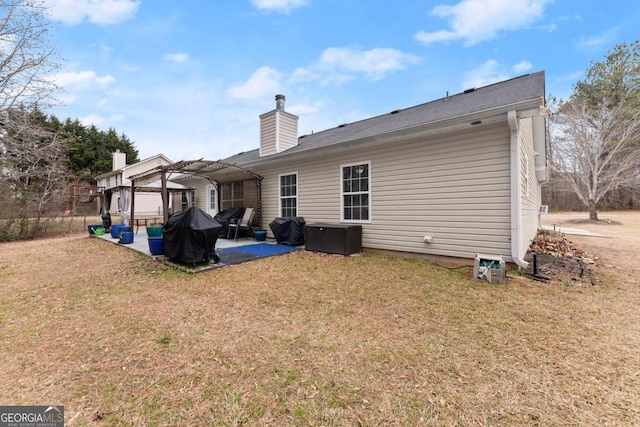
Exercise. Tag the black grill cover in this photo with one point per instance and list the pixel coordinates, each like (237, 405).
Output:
(190, 236)
(289, 231)
(224, 218)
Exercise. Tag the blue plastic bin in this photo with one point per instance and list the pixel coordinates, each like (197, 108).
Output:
(126, 237)
(156, 245)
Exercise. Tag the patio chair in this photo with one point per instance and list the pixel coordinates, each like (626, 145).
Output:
(243, 224)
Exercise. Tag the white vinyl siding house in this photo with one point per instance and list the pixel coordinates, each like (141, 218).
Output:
(457, 177)
(456, 195)
(531, 196)
(117, 181)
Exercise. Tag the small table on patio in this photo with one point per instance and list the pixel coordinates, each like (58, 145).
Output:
(145, 221)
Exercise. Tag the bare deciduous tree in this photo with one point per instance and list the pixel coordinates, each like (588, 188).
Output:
(26, 58)
(33, 159)
(35, 165)
(593, 149)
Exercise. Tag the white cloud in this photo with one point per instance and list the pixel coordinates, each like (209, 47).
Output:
(597, 42)
(283, 6)
(7, 42)
(93, 119)
(101, 122)
(570, 77)
(66, 98)
(339, 64)
(105, 12)
(489, 72)
(263, 82)
(522, 67)
(301, 75)
(74, 83)
(82, 80)
(474, 21)
(492, 72)
(176, 57)
(305, 109)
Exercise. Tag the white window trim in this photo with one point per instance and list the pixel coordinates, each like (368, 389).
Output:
(280, 193)
(370, 192)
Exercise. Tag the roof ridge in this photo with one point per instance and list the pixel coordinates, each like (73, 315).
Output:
(401, 110)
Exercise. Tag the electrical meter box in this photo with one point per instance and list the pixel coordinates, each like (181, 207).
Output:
(491, 268)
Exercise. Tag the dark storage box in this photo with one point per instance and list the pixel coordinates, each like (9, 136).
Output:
(343, 239)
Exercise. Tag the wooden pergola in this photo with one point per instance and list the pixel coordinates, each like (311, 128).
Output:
(215, 171)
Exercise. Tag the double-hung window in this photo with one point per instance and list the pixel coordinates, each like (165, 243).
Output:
(356, 192)
(289, 195)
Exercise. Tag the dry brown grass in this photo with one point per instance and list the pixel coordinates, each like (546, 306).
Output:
(310, 339)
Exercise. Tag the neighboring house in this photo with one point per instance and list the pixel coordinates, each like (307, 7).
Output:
(453, 177)
(115, 186)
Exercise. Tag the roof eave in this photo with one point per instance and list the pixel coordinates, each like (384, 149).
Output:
(110, 173)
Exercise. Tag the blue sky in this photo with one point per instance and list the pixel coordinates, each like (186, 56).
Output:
(189, 78)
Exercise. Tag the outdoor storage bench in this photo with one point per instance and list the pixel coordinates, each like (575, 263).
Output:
(343, 239)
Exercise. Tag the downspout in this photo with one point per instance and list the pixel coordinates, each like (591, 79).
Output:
(516, 178)
(540, 150)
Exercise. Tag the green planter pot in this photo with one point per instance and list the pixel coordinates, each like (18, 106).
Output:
(154, 230)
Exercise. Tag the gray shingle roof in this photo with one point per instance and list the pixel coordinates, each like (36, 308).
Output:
(516, 90)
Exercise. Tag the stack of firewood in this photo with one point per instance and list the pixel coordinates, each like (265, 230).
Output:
(557, 245)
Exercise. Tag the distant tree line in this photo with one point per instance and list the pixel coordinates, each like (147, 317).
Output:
(89, 149)
(559, 197)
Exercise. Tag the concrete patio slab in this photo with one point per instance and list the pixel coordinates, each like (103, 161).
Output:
(140, 243)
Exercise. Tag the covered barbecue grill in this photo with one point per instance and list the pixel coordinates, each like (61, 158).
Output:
(190, 237)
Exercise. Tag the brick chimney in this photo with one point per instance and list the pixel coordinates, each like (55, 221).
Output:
(278, 130)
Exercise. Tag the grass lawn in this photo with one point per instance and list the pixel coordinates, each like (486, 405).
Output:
(310, 339)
